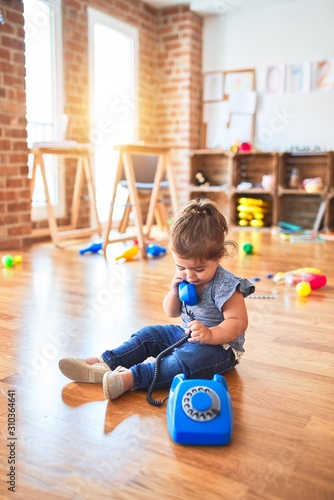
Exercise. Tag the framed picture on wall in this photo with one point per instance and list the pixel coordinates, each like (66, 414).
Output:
(239, 80)
(228, 108)
(324, 75)
(213, 86)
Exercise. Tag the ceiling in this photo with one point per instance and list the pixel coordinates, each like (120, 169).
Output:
(207, 7)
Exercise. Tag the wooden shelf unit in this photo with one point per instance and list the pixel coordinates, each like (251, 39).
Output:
(296, 205)
(226, 171)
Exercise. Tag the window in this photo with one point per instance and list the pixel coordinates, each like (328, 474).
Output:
(113, 63)
(44, 93)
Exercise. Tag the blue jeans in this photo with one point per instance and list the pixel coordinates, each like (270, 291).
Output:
(195, 360)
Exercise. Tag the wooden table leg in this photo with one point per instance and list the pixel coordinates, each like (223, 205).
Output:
(51, 216)
(91, 192)
(155, 193)
(76, 194)
(130, 176)
(118, 175)
(171, 183)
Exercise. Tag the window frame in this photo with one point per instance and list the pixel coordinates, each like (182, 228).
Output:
(40, 212)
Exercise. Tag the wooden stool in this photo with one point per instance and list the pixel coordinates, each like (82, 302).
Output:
(125, 164)
(82, 153)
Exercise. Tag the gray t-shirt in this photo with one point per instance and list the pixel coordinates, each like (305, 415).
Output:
(211, 300)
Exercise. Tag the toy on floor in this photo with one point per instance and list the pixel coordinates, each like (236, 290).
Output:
(311, 275)
(93, 247)
(280, 276)
(128, 254)
(303, 289)
(9, 260)
(315, 280)
(155, 250)
(305, 279)
(248, 248)
(199, 412)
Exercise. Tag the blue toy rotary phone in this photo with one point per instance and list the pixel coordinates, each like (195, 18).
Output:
(199, 412)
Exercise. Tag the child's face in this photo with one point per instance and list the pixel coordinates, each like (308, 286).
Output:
(194, 271)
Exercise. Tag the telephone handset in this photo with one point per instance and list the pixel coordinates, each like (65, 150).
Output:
(188, 296)
(187, 293)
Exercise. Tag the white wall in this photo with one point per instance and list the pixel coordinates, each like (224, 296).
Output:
(259, 33)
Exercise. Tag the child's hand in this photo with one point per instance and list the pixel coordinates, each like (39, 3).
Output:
(174, 286)
(199, 333)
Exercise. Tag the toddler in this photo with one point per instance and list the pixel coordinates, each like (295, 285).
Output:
(217, 323)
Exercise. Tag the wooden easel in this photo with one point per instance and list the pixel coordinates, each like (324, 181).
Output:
(163, 168)
(81, 152)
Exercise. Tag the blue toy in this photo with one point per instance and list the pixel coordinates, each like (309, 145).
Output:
(93, 247)
(187, 293)
(155, 250)
(199, 412)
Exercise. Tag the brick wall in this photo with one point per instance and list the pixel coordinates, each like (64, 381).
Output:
(168, 97)
(15, 225)
(179, 66)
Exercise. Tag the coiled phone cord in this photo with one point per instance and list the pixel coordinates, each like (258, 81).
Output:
(157, 402)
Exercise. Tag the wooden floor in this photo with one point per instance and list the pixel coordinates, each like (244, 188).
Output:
(69, 443)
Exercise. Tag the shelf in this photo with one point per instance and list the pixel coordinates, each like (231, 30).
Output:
(255, 191)
(208, 189)
(301, 209)
(281, 191)
(226, 171)
(307, 166)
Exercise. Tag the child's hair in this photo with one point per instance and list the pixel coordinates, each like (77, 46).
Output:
(199, 231)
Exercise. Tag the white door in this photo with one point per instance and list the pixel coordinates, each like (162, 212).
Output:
(113, 49)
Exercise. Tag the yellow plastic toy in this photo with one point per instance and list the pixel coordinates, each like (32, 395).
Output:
(235, 147)
(253, 201)
(256, 223)
(128, 254)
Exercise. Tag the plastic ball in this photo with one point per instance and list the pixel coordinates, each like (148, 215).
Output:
(18, 259)
(7, 260)
(303, 289)
(248, 248)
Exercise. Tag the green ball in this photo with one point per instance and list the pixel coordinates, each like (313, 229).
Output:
(7, 260)
(248, 248)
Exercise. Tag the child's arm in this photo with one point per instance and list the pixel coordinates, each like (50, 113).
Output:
(171, 303)
(234, 324)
